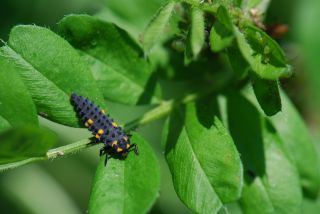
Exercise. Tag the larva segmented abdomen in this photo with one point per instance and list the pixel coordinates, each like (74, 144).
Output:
(94, 118)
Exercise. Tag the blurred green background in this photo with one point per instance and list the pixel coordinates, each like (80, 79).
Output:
(63, 186)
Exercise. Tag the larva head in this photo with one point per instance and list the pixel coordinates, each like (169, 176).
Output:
(122, 146)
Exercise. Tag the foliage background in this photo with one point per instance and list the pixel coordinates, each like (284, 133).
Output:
(63, 186)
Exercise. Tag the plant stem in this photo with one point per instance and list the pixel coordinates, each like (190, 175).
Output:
(69, 149)
(154, 114)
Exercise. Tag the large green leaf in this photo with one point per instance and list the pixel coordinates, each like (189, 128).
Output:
(267, 94)
(16, 106)
(117, 62)
(23, 145)
(51, 69)
(308, 33)
(156, 27)
(271, 180)
(196, 37)
(204, 163)
(262, 53)
(297, 141)
(126, 186)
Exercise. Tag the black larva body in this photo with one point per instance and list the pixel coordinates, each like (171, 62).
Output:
(102, 127)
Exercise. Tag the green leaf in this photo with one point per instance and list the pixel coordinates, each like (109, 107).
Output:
(23, 145)
(117, 62)
(232, 208)
(267, 94)
(16, 106)
(224, 18)
(130, 15)
(50, 100)
(311, 206)
(126, 186)
(262, 53)
(135, 11)
(156, 27)
(238, 64)
(196, 37)
(221, 34)
(51, 69)
(297, 142)
(308, 34)
(271, 180)
(4, 124)
(204, 163)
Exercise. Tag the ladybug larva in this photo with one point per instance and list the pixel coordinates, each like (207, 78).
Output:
(116, 141)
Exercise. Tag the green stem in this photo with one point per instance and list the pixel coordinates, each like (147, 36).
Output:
(69, 149)
(154, 114)
(162, 110)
